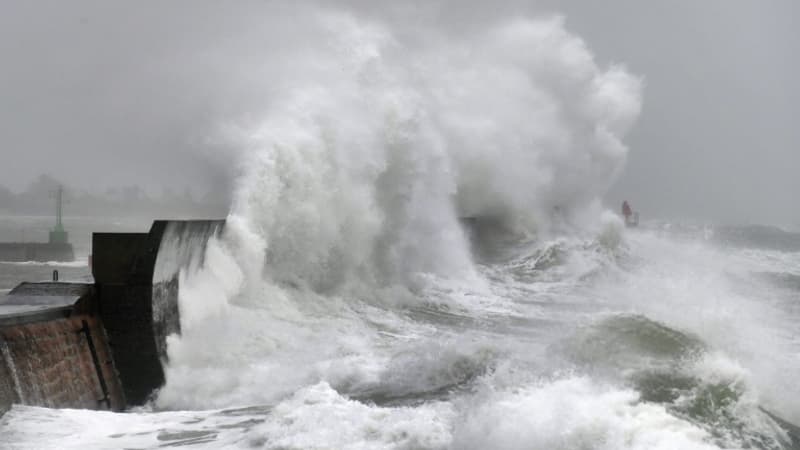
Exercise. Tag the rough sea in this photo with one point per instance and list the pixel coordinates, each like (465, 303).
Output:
(660, 337)
(417, 256)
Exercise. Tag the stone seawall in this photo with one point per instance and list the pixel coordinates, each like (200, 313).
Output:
(100, 345)
(54, 351)
(58, 363)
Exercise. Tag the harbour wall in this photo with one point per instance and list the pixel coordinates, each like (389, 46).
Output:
(100, 345)
(63, 362)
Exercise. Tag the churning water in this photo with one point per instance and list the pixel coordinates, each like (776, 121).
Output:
(417, 258)
(636, 339)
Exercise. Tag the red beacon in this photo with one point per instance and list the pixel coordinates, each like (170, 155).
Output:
(631, 218)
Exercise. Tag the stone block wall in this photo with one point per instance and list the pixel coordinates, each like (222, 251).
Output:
(51, 363)
(101, 345)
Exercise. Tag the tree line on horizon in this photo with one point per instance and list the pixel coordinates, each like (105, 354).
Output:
(39, 199)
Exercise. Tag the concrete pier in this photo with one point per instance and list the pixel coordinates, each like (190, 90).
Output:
(100, 345)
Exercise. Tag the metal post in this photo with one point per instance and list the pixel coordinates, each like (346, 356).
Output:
(59, 210)
(58, 235)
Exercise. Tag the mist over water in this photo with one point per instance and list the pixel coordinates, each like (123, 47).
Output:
(417, 257)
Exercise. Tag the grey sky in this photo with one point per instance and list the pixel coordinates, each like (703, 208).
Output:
(103, 93)
(718, 136)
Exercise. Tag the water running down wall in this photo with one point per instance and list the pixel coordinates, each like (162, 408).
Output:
(99, 346)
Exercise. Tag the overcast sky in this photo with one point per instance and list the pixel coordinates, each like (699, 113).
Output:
(102, 93)
(718, 137)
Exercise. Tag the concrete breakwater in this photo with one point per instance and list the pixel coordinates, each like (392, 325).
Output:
(100, 345)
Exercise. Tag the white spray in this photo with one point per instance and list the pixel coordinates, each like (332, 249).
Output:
(354, 179)
(364, 165)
